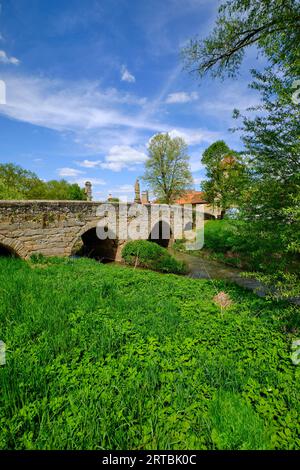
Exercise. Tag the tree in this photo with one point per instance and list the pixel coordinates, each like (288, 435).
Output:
(272, 25)
(167, 168)
(64, 191)
(18, 183)
(271, 137)
(272, 143)
(226, 175)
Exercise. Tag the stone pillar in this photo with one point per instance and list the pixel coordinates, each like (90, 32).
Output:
(137, 198)
(145, 197)
(88, 190)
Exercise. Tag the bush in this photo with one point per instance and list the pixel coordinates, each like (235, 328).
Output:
(151, 255)
(256, 248)
(221, 235)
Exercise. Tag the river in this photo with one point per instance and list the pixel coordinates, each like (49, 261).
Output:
(201, 268)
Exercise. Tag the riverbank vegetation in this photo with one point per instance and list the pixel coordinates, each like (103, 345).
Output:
(101, 357)
(267, 192)
(146, 254)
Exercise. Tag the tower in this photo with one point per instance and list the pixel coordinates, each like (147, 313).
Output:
(137, 191)
(145, 197)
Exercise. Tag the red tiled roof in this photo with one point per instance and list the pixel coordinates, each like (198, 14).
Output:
(191, 197)
(227, 161)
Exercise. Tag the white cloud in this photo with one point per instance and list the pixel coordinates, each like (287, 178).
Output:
(181, 97)
(194, 136)
(5, 59)
(126, 76)
(66, 106)
(104, 122)
(124, 188)
(89, 163)
(223, 101)
(69, 172)
(123, 156)
(74, 176)
(94, 181)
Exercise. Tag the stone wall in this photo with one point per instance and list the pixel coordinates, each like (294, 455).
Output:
(55, 228)
(51, 228)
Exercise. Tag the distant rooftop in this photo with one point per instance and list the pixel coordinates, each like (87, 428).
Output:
(191, 197)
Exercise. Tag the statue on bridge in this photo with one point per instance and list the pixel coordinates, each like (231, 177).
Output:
(88, 191)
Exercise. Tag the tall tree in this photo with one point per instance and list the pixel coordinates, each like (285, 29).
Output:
(271, 137)
(226, 176)
(18, 183)
(167, 168)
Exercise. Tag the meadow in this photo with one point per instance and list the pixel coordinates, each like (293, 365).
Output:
(112, 357)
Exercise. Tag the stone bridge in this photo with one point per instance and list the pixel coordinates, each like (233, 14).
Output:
(64, 228)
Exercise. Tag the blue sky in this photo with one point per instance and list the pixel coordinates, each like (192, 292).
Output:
(88, 83)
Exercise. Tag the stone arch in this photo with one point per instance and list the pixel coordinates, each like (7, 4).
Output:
(15, 247)
(87, 244)
(161, 233)
(208, 216)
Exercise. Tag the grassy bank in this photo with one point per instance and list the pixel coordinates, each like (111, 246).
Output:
(108, 357)
(245, 246)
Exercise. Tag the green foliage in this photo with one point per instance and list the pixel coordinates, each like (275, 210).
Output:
(167, 168)
(272, 142)
(108, 357)
(226, 176)
(17, 183)
(280, 284)
(221, 235)
(255, 246)
(272, 25)
(150, 255)
(235, 425)
(270, 204)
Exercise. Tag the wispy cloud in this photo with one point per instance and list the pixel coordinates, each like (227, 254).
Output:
(194, 136)
(104, 122)
(226, 98)
(121, 156)
(181, 97)
(70, 106)
(126, 76)
(90, 163)
(5, 59)
(69, 172)
(73, 175)
(117, 158)
(94, 181)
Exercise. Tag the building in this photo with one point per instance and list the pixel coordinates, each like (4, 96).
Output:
(197, 198)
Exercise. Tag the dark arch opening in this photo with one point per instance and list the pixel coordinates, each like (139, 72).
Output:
(208, 216)
(161, 234)
(91, 246)
(7, 252)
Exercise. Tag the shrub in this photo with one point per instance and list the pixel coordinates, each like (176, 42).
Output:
(151, 255)
(221, 235)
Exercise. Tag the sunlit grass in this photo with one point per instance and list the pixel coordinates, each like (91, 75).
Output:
(108, 357)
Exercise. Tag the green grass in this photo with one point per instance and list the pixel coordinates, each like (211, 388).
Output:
(245, 245)
(108, 357)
